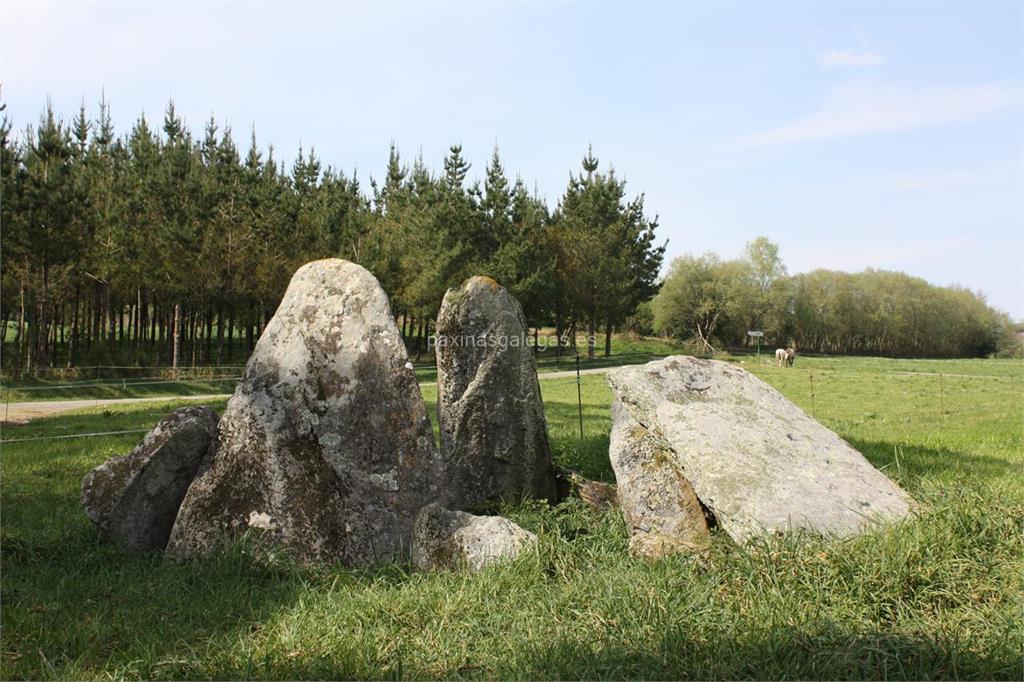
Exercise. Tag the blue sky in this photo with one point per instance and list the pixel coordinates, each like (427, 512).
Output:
(855, 135)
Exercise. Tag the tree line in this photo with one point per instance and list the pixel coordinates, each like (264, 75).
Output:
(163, 247)
(715, 302)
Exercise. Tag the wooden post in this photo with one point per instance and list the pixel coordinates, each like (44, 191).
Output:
(579, 393)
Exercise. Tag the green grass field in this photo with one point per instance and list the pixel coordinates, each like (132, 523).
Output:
(939, 596)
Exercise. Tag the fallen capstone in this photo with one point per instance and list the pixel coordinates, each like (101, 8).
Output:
(455, 540)
(325, 447)
(658, 504)
(133, 500)
(494, 439)
(756, 461)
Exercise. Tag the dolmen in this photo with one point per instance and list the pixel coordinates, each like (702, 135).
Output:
(325, 449)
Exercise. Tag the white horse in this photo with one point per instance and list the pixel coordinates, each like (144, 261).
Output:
(785, 356)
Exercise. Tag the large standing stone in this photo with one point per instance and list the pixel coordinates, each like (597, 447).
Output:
(494, 438)
(453, 540)
(660, 508)
(133, 500)
(754, 459)
(325, 446)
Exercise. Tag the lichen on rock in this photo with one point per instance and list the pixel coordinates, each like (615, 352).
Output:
(133, 500)
(325, 445)
(455, 540)
(755, 461)
(494, 441)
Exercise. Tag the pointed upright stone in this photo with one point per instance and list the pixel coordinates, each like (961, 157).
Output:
(494, 439)
(325, 446)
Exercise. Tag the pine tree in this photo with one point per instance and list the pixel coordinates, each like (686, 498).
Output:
(607, 260)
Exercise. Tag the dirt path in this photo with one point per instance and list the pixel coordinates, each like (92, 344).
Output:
(22, 413)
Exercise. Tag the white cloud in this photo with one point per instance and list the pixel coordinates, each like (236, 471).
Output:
(865, 57)
(861, 108)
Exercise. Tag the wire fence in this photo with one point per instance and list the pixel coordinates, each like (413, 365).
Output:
(818, 385)
(73, 435)
(123, 383)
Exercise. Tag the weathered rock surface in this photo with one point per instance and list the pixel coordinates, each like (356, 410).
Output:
(595, 494)
(754, 459)
(133, 500)
(494, 439)
(660, 508)
(454, 540)
(325, 446)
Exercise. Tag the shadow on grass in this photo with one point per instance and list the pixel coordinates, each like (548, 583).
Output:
(904, 460)
(824, 652)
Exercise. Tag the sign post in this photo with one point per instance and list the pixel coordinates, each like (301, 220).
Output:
(757, 335)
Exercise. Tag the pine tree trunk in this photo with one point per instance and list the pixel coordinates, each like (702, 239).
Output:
(231, 330)
(97, 308)
(591, 338)
(174, 352)
(73, 342)
(111, 322)
(153, 320)
(608, 338)
(46, 315)
(250, 333)
(193, 331)
(56, 325)
(220, 334)
(3, 330)
(209, 336)
(138, 316)
(21, 314)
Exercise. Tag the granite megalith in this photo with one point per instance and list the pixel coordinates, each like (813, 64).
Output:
(756, 462)
(133, 500)
(658, 504)
(455, 540)
(494, 440)
(325, 447)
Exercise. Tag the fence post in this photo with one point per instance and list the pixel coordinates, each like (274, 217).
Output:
(814, 410)
(942, 396)
(579, 393)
